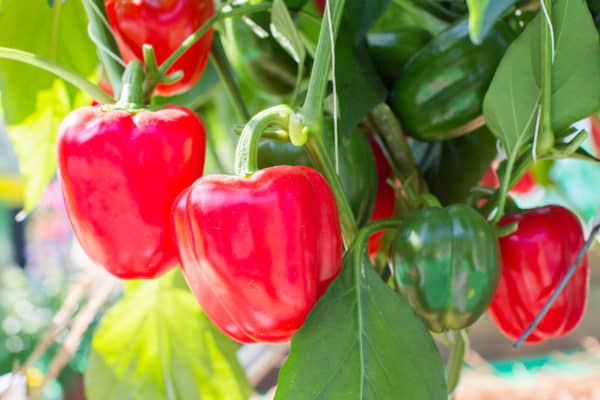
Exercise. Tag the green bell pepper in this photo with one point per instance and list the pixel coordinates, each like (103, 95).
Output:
(440, 92)
(447, 263)
(260, 61)
(356, 161)
(390, 50)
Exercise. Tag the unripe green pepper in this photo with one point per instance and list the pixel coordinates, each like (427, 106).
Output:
(441, 89)
(261, 62)
(356, 160)
(447, 263)
(390, 50)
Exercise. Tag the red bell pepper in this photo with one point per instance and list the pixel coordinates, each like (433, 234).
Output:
(164, 24)
(595, 133)
(384, 202)
(258, 252)
(525, 185)
(120, 172)
(534, 259)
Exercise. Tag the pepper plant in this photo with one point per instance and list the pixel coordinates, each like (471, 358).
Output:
(352, 218)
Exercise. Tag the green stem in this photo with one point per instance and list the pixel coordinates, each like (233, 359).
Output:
(246, 154)
(220, 60)
(105, 42)
(389, 129)
(73, 78)
(360, 243)
(504, 188)
(456, 361)
(194, 37)
(317, 87)
(132, 93)
(320, 156)
(545, 139)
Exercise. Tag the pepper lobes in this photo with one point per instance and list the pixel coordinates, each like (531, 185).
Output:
(534, 259)
(120, 172)
(447, 264)
(258, 252)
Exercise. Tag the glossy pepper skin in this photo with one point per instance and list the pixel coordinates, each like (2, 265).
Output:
(441, 89)
(447, 264)
(258, 252)
(357, 167)
(120, 173)
(534, 259)
(390, 50)
(164, 24)
(262, 62)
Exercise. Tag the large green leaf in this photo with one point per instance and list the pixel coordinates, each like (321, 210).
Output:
(362, 341)
(511, 103)
(156, 343)
(482, 16)
(33, 102)
(359, 87)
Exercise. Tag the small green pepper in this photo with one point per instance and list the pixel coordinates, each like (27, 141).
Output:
(441, 89)
(356, 161)
(446, 262)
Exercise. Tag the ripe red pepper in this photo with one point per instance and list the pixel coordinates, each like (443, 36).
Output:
(534, 259)
(384, 202)
(595, 133)
(164, 24)
(320, 4)
(525, 185)
(258, 252)
(120, 173)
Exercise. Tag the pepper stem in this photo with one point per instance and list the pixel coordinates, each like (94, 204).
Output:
(360, 242)
(246, 154)
(133, 80)
(456, 361)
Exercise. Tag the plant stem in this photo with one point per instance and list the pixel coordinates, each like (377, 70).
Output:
(362, 237)
(220, 60)
(246, 162)
(313, 105)
(390, 131)
(456, 361)
(504, 187)
(72, 77)
(320, 156)
(105, 42)
(545, 140)
(194, 37)
(132, 93)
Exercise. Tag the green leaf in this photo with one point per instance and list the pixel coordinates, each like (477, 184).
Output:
(285, 33)
(404, 14)
(360, 15)
(358, 84)
(453, 167)
(482, 16)
(34, 139)
(59, 34)
(156, 343)
(362, 341)
(511, 103)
